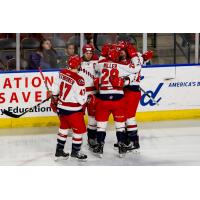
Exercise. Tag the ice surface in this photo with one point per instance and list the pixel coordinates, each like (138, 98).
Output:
(162, 143)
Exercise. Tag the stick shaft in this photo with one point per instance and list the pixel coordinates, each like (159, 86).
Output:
(43, 78)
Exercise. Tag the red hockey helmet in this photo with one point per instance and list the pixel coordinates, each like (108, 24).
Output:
(113, 54)
(74, 62)
(122, 44)
(88, 47)
(105, 49)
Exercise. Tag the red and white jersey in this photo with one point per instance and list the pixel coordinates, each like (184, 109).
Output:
(71, 90)
(107, 68)
(137, 61)
(87, 71)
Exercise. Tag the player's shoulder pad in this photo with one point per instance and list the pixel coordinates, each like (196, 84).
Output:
(127, 62)
(103, 60)
(79, 80)
(64, 71)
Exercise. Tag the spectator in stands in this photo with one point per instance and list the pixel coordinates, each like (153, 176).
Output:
(70, 50)
(11, 63)
(45, 57)
(2, 65)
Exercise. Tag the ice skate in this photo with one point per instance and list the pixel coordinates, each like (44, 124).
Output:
(98, 150)
(79, 156)
(61, 155)
(92, 143)
(134, 147)
(122, 149)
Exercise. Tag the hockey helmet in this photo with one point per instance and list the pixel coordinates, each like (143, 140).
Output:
(88, 47)
(105, 49)
(113, 54)
(74, 62)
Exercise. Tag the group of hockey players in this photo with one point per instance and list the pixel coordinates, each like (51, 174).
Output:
(99, 86)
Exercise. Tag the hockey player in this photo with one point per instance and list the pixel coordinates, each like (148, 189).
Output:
(69, 97)
(132, 97)
(132, 93)
(87, 71)
(111, 98)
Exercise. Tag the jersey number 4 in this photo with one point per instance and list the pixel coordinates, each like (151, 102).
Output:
(64, 90)
(106, 73)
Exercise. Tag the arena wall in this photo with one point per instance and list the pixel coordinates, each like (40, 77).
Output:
(176, 88)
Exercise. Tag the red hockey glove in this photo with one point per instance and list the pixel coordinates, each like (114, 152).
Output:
(91, 99)
(96, 83)
(117, 81)
(131, 50)
(147, 55)
(91, 103)
(49, 93)
(54, 103)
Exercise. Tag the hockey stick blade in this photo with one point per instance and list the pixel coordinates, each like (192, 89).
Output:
(10, 114)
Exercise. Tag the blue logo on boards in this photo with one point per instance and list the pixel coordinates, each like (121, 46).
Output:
(145, 100)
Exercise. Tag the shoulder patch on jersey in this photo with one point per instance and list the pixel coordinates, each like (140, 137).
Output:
(80, 80)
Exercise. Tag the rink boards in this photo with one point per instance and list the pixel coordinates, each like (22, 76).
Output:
(175, 88)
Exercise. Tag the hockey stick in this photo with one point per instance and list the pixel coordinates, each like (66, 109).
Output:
(95, 36)
(150, 97)
(43, 78)
(10, 114)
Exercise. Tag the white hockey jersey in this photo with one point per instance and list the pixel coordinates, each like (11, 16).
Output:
(106, 68)
(71, 90)
(87, 71)
(137, 61)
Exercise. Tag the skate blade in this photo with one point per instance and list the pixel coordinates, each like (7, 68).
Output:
(135, 151)
(122, 155)
(79, 160)
(56, 159)
(90, 149)
(98, 155)
(115, 148)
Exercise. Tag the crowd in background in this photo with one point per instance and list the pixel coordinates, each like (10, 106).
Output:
(45, 50)
(52, 50)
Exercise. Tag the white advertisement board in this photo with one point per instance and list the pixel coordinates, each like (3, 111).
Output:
(22, 90)
(175, 88)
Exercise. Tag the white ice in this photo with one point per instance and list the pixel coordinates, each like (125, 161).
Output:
(162, 143)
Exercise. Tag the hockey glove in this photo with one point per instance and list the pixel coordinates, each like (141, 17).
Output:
(54, 103)
(131, 50)
(147, 55)
(91, 103)
(96, 83)
(117, 81)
